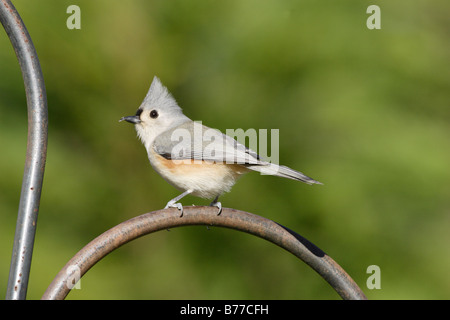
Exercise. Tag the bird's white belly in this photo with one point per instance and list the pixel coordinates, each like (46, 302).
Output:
(206, 179)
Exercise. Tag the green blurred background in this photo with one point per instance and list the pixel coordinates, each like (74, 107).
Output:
(364, 111)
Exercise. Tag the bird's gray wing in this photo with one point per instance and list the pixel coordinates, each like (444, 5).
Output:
(194, 141)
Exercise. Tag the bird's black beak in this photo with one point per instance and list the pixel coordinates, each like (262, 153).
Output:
(131, 119)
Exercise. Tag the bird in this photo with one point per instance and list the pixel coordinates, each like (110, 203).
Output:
(192, 157)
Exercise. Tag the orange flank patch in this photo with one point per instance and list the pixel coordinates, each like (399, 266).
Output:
(193, 167)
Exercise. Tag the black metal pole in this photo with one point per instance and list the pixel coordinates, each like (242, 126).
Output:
(36, 150)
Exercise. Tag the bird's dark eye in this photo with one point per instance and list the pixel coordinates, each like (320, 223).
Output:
(153, 114)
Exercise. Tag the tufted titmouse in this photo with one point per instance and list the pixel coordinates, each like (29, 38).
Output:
(194, 158)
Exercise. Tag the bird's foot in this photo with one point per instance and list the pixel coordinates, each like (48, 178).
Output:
(172, 204)
(218, 205)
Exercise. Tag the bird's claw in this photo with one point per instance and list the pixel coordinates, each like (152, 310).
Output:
(218, 205)
(178, 205)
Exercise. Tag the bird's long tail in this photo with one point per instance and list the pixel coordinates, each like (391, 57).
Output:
(283, 171)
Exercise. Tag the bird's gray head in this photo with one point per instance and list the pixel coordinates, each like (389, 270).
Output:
(158, 112)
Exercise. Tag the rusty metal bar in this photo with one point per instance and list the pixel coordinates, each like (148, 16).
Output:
(229, 218)
(36, 150)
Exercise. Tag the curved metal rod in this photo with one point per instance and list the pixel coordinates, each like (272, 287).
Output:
(229, 218)
(36, 150)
